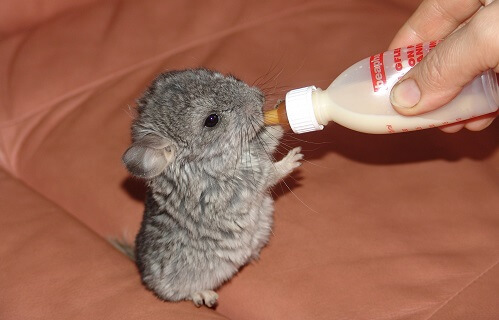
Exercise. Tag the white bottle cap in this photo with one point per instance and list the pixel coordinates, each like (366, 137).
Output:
(300, 110)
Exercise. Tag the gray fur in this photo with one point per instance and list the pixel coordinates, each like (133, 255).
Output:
(208, 210)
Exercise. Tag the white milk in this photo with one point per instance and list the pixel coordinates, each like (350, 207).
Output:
(359, 98)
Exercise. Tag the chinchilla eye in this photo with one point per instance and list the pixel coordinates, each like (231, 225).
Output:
(211, 121)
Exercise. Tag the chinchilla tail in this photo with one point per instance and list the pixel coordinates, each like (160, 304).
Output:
(123, 246)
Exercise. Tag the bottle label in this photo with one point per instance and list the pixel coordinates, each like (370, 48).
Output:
(378, 75)
(397, 63)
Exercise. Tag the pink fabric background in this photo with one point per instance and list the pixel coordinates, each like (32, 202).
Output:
(376, 227)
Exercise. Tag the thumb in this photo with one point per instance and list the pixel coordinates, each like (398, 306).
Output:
(452, 64)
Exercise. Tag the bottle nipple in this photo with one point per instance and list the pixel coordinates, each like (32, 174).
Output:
(276, 116)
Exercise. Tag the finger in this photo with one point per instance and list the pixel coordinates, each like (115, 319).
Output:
(452, 128)
(434, 20)
(475, 124)
(452, 64)
(480, 123)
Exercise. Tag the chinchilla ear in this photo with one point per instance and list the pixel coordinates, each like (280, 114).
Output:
(148, 156)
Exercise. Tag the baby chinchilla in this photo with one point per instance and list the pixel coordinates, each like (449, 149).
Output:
(200, 144)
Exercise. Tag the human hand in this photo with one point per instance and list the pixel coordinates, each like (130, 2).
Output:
(471, 46)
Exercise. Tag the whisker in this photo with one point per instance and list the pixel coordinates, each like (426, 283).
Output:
(241, 151)
(272, 159)
(303, 150)
(130, 111)
(264, 144)
(253, 183)
(280, 141)
(272, 91)
(272, 78)
(306, 141)
(298, 198)
(271, 69)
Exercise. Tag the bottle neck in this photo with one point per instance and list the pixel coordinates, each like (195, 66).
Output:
(319, 103)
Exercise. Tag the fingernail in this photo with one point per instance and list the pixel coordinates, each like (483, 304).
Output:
(405, 94)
